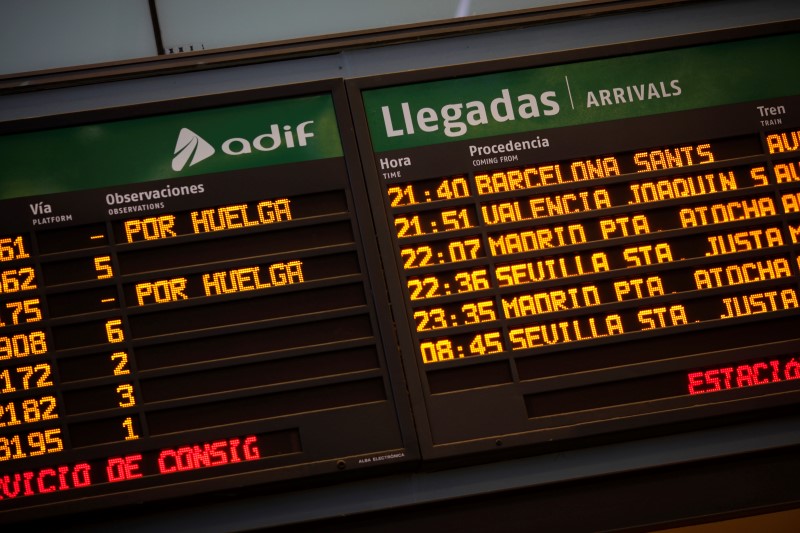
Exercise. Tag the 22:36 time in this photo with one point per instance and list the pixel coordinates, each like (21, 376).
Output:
(459, 282)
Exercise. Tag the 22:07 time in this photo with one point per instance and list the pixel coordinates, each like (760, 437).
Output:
(441, 253)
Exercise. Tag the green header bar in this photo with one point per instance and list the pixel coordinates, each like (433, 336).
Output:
(580, 93)
(169, 146)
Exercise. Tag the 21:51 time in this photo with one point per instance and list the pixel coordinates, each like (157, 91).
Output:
(414, 225)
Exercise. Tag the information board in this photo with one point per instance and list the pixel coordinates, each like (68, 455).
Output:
(593, 241)
(289, 285)
(187, 304)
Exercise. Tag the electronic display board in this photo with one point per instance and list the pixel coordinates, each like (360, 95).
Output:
(188, 304)
(594, 241)
(241, 290)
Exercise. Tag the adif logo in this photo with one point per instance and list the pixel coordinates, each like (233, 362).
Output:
(190, 146)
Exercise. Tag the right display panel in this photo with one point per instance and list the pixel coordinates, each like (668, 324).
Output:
(591, 242)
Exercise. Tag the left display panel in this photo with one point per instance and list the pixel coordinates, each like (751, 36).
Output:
(188, 304)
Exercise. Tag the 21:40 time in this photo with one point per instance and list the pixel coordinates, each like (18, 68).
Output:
(435, 190)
